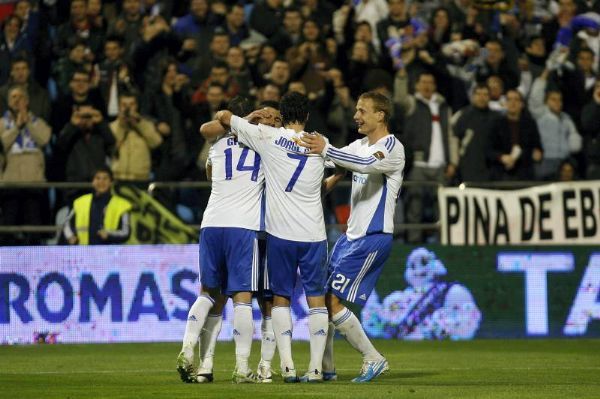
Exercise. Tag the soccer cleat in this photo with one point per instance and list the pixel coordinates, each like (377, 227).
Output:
(241, 378)
(372, 369)
(329, 376)
(264, 373)
(204, 376)
(312, 376)
(186, 370)
(289, 375)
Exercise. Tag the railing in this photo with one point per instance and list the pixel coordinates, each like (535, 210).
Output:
(153, 186)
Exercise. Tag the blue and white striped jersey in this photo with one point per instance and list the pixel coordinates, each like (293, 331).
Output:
(376, 179)
(236, 195)
(293, 181)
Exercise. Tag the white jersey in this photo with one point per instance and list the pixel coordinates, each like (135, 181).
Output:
(376, 180)
(293, 181)
(236, 196)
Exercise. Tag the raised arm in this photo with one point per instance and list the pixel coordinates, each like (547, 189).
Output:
(212, 130)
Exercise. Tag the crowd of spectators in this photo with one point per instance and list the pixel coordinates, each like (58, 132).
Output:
(483, 90)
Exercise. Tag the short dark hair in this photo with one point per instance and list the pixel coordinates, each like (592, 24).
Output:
(380, 103)
(292, 8)
(129, 93)
(80, 71)
(104, 169)
(220, 64)
(215, 84)
(115, 38)
(20, 58)
(480, 86)
(240, 106)
(425, 73)
(294, 108)
(270, 104)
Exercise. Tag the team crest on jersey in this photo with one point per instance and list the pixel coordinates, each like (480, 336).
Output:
(379, 155)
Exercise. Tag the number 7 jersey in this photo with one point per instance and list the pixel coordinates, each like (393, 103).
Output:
(236, 196)
(293, 181)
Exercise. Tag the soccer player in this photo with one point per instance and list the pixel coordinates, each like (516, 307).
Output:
(377, 163)
(211, 131)
(229, 259)
(294, 223)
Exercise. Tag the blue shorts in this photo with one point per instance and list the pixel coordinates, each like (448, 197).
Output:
(284, 257)
(354, 266)
(229, 259)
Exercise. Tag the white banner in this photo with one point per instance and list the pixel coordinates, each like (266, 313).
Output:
(553, 214)
(106, 294)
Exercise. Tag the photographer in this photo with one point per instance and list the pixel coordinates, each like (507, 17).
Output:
(136, 136)
(85, 142)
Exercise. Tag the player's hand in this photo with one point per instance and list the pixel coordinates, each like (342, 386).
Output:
(339, 171)
(258, 116)
(315, 142)
(73, 240)
(103, 234)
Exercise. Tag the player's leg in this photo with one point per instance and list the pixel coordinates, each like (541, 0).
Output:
(243, 277)
(353, 279)
(265, 302)
(313, 263)
(243, 328)
(211, 260)
(268, 343)
(208, 339)
(282, 265)
(329, 373)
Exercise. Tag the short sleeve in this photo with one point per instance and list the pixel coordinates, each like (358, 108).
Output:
(247, 133)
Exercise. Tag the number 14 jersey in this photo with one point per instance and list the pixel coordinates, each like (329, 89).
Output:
(236, 196)
(293, 181)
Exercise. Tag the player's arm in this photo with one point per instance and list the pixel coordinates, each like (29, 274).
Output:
(251, 135)
(383, 160)
(212, 130)
(330, 182)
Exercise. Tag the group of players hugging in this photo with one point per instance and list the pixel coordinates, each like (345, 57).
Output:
(264, 223)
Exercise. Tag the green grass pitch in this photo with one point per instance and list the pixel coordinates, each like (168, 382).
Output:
(476, 369)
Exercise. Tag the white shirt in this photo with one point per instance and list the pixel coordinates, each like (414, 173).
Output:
(376, 179)
(236, 196)
(293, 181)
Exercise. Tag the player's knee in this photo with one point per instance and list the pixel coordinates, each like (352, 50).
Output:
(242, 297)
(315, 301)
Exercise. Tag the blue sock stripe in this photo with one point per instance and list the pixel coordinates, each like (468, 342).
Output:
(242, 304)
(214, 315)
(344, 317)
(267, 318)
(279, 307)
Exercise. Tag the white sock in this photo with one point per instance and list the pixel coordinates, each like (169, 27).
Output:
(195, 322)
(268, 344)
(348, 325)
(318, 325)
(328, 363)
(282, 327)
(243, 329)
(208, 341)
